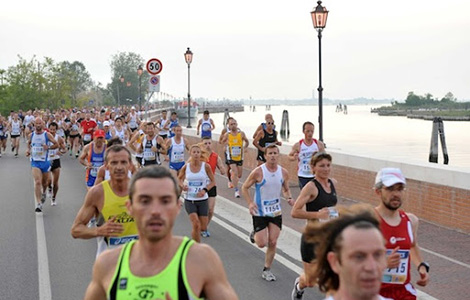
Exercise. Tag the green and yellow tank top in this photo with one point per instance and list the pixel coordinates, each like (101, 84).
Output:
(235, 147)
(173, 279)
(115, 205)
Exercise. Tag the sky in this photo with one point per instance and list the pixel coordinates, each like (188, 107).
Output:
(264, 49)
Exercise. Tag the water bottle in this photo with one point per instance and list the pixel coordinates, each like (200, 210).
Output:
(333, 213)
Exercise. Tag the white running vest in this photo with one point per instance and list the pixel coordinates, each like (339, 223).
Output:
(177, 151)
(305, 155)
(196, 182)
(268, 193)
(37, 146)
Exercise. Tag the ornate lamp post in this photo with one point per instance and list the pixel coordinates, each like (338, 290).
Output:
(139, 72)
(319, 16)
(188, 57)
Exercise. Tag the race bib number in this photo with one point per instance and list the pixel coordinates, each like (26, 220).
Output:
(306, 167)
(94, 171)
(272, 208)
(178, 157)
(37, 151)
(149, 155)
(397, 275)
(236, 151)
(116, 241)
(194, 187)
(87, 137)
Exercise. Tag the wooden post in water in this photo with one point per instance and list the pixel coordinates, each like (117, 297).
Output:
(438, 130)
(285, 131)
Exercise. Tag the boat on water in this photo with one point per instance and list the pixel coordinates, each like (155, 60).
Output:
(182, 109)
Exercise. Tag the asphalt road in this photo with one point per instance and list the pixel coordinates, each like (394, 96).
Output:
(63, 269)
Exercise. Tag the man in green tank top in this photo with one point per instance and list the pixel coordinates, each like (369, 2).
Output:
(163, 266)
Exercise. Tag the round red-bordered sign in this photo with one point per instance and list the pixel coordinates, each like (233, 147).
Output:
(154, 66)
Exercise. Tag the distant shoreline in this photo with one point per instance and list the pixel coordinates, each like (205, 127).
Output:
(425, 114)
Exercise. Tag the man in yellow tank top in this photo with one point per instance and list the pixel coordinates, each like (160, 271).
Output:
(234, 140)
(163, 266)
(109, 200)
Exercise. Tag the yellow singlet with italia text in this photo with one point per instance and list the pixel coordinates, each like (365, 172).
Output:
(115, 205)
(235, 147)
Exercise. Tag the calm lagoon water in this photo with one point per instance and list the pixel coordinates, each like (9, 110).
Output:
(361, 132)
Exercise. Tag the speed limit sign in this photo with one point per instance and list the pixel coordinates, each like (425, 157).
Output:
(154, 66)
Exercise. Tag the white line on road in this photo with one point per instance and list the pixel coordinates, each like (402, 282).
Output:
(43, 261)
(239, 215)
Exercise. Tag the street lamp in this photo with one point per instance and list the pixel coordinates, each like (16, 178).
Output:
(121, 79)
(319, 16)
(139, 72)
(188, 56)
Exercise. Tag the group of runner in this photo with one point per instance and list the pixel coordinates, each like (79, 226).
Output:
(109, 138)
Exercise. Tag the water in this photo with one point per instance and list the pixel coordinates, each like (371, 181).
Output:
(363, 133)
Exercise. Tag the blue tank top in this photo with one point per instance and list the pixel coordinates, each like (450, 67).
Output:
(206, 128)
(97, 160)
(173, 124)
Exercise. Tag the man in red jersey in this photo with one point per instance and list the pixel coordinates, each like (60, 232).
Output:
(400, 231)
(88, 126)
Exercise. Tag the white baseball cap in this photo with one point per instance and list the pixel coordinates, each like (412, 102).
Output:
(106, 123)
(133, 107)
(389, 177)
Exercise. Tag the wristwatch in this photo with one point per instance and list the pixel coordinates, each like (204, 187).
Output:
(425, 265)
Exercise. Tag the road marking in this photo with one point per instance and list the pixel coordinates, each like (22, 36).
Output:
(239, 215)
(44, 278)
(446, 258)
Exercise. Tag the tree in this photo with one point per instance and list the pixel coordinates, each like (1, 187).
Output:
(449, 97)
(125, 64)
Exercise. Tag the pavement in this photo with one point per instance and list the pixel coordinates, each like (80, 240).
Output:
(40, 259)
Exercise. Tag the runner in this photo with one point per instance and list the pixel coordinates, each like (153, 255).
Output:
(173, 123)
(120, 131)
(214, 162)
(28, 123)
(117, 273)
(38, 144)
(311, 205)
(269, 179)
(350, 256)
(133, 120)
(152, 144)
(135, 143)
(196, 179)
(74, 138)
(3, 134)
(14, 126)
(227, 163)
(207, 125)
(92, 157)
(108, 200)
(88, 127)
(265, 137)
(54, 158)
(107, 131)
(163, 125)
(303, 151)
(176, 147)
(262, 126)
(400, 232)
(234, 140)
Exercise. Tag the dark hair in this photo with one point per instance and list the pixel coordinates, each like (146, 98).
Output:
(206, 112)
(156, 172)
(163, 110)
(115, 149)
(307, 123)
(53, 124)
(206, 138)
(318, 156)
(328, 237)
(118, 118)
(114, 141)
(271, 146)
(173, 113)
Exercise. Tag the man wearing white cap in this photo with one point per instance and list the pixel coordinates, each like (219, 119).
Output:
(107, 130)
(399, 230)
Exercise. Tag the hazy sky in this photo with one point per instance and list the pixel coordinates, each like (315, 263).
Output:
(259, 48)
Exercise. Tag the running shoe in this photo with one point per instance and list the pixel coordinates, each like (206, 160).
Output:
(296, 294)
(76, 155)
(204, 234)
(43, 198)
(237, 194)
(230, 185)
(38, 208)
(268, 275)
(53, 203)
(16, 155)
(12, 148)
(252, 236)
